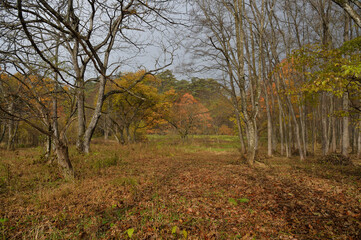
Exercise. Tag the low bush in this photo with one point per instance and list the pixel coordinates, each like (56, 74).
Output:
(335, 159)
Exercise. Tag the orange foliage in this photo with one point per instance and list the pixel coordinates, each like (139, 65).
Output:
(190, 115)
(225, 130)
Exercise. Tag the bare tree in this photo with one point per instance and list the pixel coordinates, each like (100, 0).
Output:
(352, 7)
(51, 44)
(90, 31)
(232, 43)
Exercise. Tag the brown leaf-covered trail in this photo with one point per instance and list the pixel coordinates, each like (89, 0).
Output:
(176, 193)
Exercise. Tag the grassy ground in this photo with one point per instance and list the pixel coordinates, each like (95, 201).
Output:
(168, 189)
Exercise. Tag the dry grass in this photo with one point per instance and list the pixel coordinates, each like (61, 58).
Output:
(170, 189)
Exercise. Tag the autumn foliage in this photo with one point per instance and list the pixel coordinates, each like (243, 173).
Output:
(188, 115)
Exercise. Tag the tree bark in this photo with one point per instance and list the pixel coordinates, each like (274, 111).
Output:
(281, 120)
(269, 134)
(290, 136)
(127, 131)
(121, 135)
(80, 144)
(2, 134)
(63, 159)
(281, 129)
(298, 137)
(251, 150)
(314, 132)
(10, 143)
(325, 140)
(48, 146)
(303, 128)
(359, 140)
(345, 126)
(345, 4)
(12, 129)
(269, 124)
(240, 134)
(96, 115)
(345, 101)
(354, 139)
(135, 134)
(106, 127)
(287, 139)
(333, 146)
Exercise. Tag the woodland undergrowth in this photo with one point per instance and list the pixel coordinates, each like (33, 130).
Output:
(172, 189)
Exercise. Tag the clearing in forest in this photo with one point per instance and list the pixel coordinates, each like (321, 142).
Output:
(168, 189)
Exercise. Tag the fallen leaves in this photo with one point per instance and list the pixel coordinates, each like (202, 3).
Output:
(191, 195)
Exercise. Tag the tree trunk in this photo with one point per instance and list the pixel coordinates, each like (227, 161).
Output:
(105, 127)
(251, 150)
(12, 135)
(240, 134)
(329, 129)
(333, 146)
(354, 138)
(96, 115)
(63, 159)
(79, 67)
(287, 148)
(353, 141)
(54, 127)
(10, 145)
(12, 129)
(325, 140)
(269, 125)
(281, 120)
(121, 135)
(274, 139)
(3, 131)
(269, 135)
(135, 134)
(80, 145)
(290, 135)
(359, 140)
(281, 132)
(345, 126)
(117, 138)
(298, 137)
(127, 131)
(303, 128)
(48, 146)
(314, 133)
(115, 133)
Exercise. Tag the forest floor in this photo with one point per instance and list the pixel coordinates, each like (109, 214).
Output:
(167, 189)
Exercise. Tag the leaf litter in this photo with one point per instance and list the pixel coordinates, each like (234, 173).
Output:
(196, 195)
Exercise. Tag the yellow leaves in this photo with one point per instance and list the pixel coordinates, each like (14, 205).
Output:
(10, 83)
(32, 87)
(33, 96)
(320, 69)
(352, 70)
(138, 100)
(140, 82)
